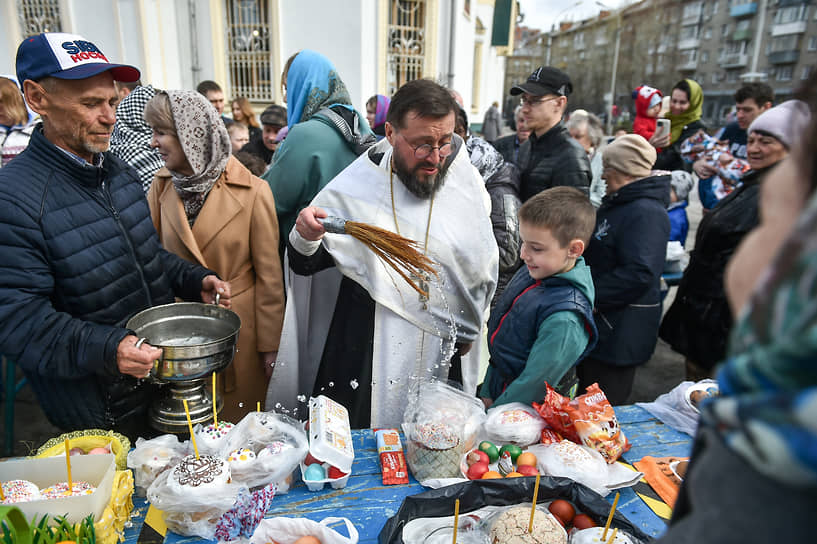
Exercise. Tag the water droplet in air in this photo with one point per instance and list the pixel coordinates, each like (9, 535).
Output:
(353, 384)
(331, 384)
(301, 398)
(241, 405)
(277, 405)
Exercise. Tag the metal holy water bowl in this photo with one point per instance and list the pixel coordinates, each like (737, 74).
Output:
(196, 339)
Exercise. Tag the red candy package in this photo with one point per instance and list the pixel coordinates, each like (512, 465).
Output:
(588, 419)
(392, 460)
(549, 436)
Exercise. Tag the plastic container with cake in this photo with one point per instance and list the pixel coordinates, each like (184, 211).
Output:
(42, 485)
(194, 494)
(264, 448)
(440, 425)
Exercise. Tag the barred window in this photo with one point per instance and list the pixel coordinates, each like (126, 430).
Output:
(406, 42)
(248, 50)
(38, 16)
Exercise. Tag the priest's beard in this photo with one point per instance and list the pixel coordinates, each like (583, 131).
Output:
(416, 186)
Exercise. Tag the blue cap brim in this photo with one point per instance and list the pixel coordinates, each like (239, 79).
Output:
(120, 72)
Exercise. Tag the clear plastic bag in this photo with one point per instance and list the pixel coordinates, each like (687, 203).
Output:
(570, 460)
(441, 425)
(287, 530)
(278, 444)
(514, 423)
(152, 457)
(192, 513)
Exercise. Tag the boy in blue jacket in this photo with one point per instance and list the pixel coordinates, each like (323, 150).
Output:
(542, 324)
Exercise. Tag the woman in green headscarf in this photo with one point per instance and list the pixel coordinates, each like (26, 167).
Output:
(686, 108)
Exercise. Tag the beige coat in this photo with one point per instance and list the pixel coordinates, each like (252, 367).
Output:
(235, 235)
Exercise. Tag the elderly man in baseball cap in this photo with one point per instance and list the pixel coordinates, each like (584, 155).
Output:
(550, 157)
(81, 255)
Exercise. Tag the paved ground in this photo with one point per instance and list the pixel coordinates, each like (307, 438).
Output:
(663, 372)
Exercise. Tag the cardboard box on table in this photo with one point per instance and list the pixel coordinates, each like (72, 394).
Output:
(97, 470)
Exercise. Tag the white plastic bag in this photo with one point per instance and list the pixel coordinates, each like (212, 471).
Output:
(152, 457)
(192, 514)
(673, 409)
(677, 258)
(287, 530)
(440, 426)
(283, 437)
(584, 465)
(514, 423)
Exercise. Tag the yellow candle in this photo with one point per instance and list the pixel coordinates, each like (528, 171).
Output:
(190, 426)
(533, 507)
(68, 465)
(215, 409)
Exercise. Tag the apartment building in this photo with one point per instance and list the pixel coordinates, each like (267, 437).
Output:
(719, 43)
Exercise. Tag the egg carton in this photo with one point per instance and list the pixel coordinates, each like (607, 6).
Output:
(317, 485)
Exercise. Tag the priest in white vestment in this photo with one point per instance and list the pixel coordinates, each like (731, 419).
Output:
(354, 330)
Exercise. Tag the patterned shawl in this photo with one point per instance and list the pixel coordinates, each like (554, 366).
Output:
(484, 157)
(312, 84)
(132, 135)
(206, 145)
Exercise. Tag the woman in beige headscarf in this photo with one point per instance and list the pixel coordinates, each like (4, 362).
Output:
(209, 209)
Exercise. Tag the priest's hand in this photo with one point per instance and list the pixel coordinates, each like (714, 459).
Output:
(136, 361)
(210, 286)
(308, 225)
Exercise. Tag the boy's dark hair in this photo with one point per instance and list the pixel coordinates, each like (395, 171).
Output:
(422, 96)
(759, 92)
(206, 86)
(565, 211)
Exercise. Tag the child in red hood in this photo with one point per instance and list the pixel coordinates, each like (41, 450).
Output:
(647, 108)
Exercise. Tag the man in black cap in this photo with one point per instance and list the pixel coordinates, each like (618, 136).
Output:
(550, 157)
(80, 254)
(273, 119)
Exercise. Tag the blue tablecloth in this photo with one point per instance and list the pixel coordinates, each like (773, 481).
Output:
(368, 503)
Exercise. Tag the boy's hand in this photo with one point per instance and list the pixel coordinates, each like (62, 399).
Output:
(487, 402)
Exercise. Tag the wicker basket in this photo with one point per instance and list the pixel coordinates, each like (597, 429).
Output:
(434, 450)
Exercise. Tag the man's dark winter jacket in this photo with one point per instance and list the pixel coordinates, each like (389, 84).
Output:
(552, 160)
(503, 188)
(626, 256)
(80, 257)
